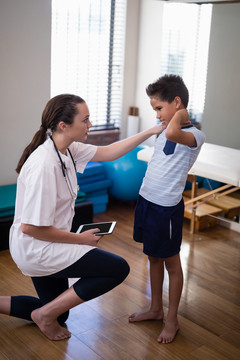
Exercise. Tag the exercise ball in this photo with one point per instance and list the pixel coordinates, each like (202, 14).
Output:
(126, 174)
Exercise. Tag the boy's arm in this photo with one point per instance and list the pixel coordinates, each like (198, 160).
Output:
(174, 130)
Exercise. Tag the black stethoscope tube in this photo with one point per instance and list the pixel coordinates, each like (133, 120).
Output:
(63, 166)
(64, 170)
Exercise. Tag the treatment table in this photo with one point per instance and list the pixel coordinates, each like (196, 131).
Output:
(214, 162)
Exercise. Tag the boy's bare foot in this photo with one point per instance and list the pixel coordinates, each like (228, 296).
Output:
(147, 315)
(169, 332)
(50, 328)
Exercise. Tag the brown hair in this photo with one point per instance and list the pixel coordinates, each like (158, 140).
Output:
(167, 87)
(59, 108)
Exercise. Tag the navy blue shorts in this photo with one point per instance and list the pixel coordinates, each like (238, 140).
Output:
(158, 227)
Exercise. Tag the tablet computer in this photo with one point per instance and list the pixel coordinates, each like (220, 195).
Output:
(104, 227)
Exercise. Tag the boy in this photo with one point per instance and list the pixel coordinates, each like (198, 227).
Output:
(159, 211)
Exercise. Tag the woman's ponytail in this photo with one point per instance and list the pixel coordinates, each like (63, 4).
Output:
(38, 139)
(59, 108)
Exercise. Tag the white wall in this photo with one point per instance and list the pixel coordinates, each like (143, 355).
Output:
(148, 66)
(131, 56)
(25, 41)
(221, 118)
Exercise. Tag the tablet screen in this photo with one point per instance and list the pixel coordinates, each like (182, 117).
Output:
(104, 227)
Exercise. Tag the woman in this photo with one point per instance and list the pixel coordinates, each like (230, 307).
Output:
(41, 243)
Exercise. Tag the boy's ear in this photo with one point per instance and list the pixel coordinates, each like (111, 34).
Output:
(178, 102)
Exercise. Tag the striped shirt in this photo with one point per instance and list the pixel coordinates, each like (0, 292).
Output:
(167, 171)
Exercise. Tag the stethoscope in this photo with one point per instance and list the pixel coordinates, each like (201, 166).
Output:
(64, 170)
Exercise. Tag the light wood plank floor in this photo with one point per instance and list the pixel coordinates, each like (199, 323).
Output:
(209, 312)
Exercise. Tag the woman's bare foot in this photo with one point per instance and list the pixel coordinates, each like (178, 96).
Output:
(49, 327)
(147, 315)
(169, 332)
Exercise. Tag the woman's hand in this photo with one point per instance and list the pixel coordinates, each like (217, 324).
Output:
(158, 129)
(52, 234)
(89, 237)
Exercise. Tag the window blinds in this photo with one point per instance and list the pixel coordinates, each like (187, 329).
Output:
(87, 55)
(185, 43)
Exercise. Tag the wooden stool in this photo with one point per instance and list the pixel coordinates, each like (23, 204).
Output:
(229, 205)
(202, 220)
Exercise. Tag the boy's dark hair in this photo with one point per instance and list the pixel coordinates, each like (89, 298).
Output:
(167, 87)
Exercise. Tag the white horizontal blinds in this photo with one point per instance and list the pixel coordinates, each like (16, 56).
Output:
(118, 33)
(185, 43)
(82, 50)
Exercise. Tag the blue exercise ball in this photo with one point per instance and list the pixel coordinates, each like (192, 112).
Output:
(126, 174)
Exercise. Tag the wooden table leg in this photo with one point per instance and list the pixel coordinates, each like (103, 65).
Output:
(193, 180)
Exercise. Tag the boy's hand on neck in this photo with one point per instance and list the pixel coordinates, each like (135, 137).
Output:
(181, 118)
(174, 130)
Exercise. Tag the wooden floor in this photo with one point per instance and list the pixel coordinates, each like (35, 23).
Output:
(209, 312)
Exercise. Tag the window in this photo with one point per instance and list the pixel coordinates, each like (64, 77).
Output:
(185, 43)
(87, 55)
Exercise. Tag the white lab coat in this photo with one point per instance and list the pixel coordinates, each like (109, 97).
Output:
(43, 199)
